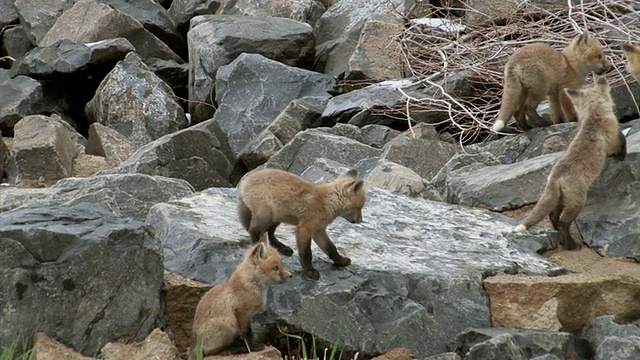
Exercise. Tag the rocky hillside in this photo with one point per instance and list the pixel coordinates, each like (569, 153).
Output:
(126, 125)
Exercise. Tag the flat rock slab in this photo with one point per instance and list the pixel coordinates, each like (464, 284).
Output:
(415, 279)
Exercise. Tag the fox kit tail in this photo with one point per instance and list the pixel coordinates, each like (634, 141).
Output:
(547, 203)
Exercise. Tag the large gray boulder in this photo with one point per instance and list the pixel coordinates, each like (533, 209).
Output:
(15, 41)
(182, 11)
(613, 340)
(8, 14)
(44, 147)
(411, 283)
(194, 154)
(38, 16)
(425, 157)
(66, 57)
(216, 40)
(78, 272)
(91, 20)
(308, 11)
(21, 96)
(136, 103)
(306, 146)
(245, 109)
(108, 143)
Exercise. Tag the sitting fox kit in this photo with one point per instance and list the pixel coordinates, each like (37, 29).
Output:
(632, 54)
(269, 197)
(571, 177)
(224, 312)
(537, 71)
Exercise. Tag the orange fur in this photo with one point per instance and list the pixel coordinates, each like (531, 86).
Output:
(269, 197)
(538, 71)
(224, 312)
(599, 136)
(633, 59)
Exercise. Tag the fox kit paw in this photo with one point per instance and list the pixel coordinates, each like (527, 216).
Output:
(342, 261)
(498, 125)
(520, 228)
(312, 274)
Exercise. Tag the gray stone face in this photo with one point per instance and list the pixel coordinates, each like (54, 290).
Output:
(396, 178)
(108, 143)
(66, 57)
(217, 40)
(43, 147)
(310, 144)
(8, 14)
(412, 282)
(244, 109)
(308, 11)
(15, 41)
(425, 157)
(125, 195)
(192, 154)
(38, 16)
(181, 11)
(80, 273)
(90, 20)
(21, 96)
(136, 103)
(604, 327)
(378, 135)
(509, 344)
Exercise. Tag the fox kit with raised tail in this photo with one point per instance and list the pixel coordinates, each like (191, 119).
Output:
(224, 312)
(537, 71)
(633, 59)
(571, 177)
(269, 197)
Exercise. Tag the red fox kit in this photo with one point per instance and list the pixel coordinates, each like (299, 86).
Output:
(269, 197)
(224, 312)
(537, 71)
(633, 59)
(568, 183)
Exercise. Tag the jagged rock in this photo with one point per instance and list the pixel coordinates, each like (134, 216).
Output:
(612, 340)
(128, 195)
(85, 165)
(38, 16)
(306, 146)
(394, 177)
(78, 259)
(182, 296)
(193, 154)
(174, 74)
(91, 20)
(66, 57)
(308, 11)
(8, 14)
(378, 135)
(22, 96)
(411, 283)
(43, 147)
(549, 303)
(425, 157)
(624, 101)
(15, 42)
(507, 344)
(108, 143)
(46, 348)
(154, 18)
(240, 119)
(609, 223)
(345, 130)
(217, 40)
(299, 115)
(136, 103)
(422, 131)
(155, 346)
(182, 11)
(323, 170)
(373, 55)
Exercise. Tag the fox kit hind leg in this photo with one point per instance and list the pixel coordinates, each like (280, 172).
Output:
(258, 225)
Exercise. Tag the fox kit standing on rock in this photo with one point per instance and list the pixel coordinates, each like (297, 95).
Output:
(224, 312)
(633, 59)
(537, 71)
(269, 197)
(568, 183)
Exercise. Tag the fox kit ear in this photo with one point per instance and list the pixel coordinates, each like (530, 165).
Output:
(584, 37)
(629, 48)
(260, 251)
(357, 186)
(352, 173)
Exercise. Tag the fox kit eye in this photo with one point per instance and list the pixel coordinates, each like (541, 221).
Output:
(276, 268)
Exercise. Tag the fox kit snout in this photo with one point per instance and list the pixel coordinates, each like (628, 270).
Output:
(269, 197)
(632, 53)
(538, 71)
(565, 193)
(224, 312)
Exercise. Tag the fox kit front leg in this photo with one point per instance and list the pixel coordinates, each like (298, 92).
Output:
(324, 242)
